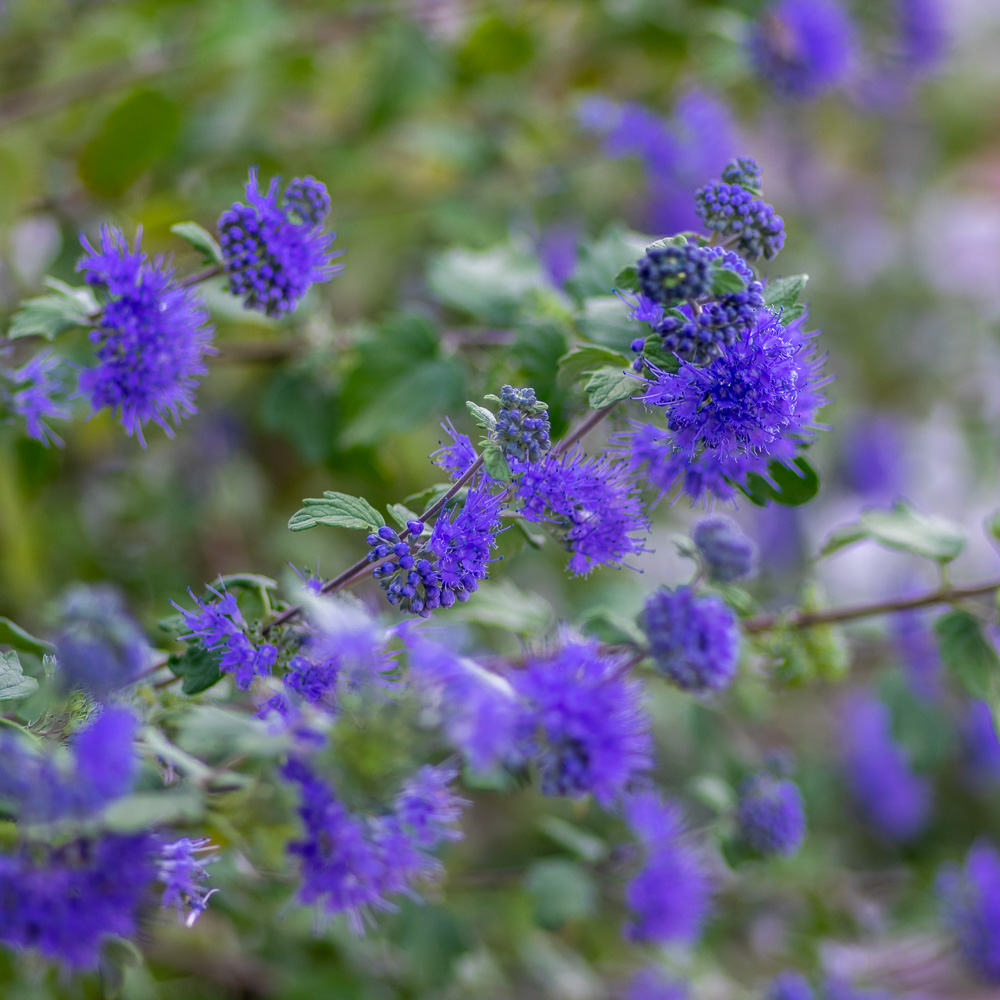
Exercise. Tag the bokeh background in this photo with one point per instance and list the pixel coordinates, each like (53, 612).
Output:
(463, 148)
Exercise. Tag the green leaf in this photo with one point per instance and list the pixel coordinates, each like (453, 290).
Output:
(13, 684)
(714, 793)
(792, 313)
(586, 845)
(992, 525)
(137, 133)
(791, 486)
(627, 279)
(401, 514)
(12, 634)
(198, 666)
(495, 462)
(506, 606)
(611, 627)
(337, 510)
(68, 308)
(561, 891)
(605, 320)
(725, 281)
(247, 581)
(586, 359)
(201, 239)
(655, 353)
(783, 293)
(668, 241)
(117, 954)
(969, 655)
(902, 527)
(610, 385)
(144, 810)
(483, 417)
(601, 263)
(210, 733)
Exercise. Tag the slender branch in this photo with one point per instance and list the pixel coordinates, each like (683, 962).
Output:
(200, 276)
(583, 430)
(830, 616)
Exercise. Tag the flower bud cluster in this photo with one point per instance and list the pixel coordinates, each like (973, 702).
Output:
(522, 428)
(674, 274)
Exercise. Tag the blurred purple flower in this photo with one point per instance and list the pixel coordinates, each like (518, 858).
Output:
(970, 903)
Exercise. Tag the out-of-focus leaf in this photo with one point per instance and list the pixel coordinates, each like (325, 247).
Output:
(68, 308)
(201, 239)
(561, 891)
(144, 810)
(969, 655)
(337, 510)
(585, 845)
(198, 666)
(504, 605)
(902, 527)
(140, 130)
(586, 359)
(13, 635)
(602, 263)
(13, 683)
(605, 320)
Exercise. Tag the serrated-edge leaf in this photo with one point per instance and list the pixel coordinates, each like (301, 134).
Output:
(400, 513)
(11, 634)
(667, 241)
(13, 684)
(783, 293)
(336, 510)
(610, 385)
(658, 356)
(726, 281)
(495, 462)
(68, 308)
(483, 417)
(201, 239)
(585, 360)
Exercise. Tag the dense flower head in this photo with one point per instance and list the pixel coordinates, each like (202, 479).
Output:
(790, 985)
(426, 575)
(653, 983)
(274, 248)
(754, 404)
(693, 638)
(970, 903)
(771, 815)
(732, 211)
(892, 798)
(182, 869)
(218, 624)
(591, 502)
(803, 47)
(980, 746)
(745, 171)
(99, 647)
(63, 901)
(150, 340)
(522, 428)
(478, 709)
(669, 896)
(583, 723)
(922, 35)
(674, 274)
(727, 553)
(32, 392)
(455, 458)
(352, 863)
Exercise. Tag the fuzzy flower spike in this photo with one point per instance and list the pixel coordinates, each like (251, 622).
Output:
(150, 339)
(275, 247)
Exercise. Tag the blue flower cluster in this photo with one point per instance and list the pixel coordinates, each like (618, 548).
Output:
(673, 274)
(448, 566)
(771, 815)
(693, 639)
(150, 340)
(726, 553)
(669, 896)
(455, 458)
(790, 985)
(33, 393)
(353, 863)
(970, 901)
(219, 625)
(274, 248)
(735, 212)
(522, 428)
(183, 874)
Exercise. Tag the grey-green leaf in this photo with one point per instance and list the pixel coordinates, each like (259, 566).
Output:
(11, 634)
(561, 891)
(969, 655)
(782, 293)
(610, 385)
(902, 527)
(198, 666)
(483, 417)
(201, 239)
(725, 281)
(337, 510)
(68, 308)
(145, 810)
(400, 513)
(582, 360)
(13, 684)
(495, 462)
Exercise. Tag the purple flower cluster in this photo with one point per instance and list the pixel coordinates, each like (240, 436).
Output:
(789, 985)
(448, 566)
(653, 983)
(592, 502)
(183, 873)
(892, 798)
(219, 625)
(674, 274)
(522, 428)
(669, 896)
(980, 746)
(455, 458)
(726, 552)
(150, 340)
(99, 647)
(734, 211)
(970, 903)
(803, 47)
(583, 723)
(754, 404)
(63, 901)
(352, 863)
(693, 639)
(32, 393)
(274, 248)
(771, 815)
(101, 767)
(478, 709)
